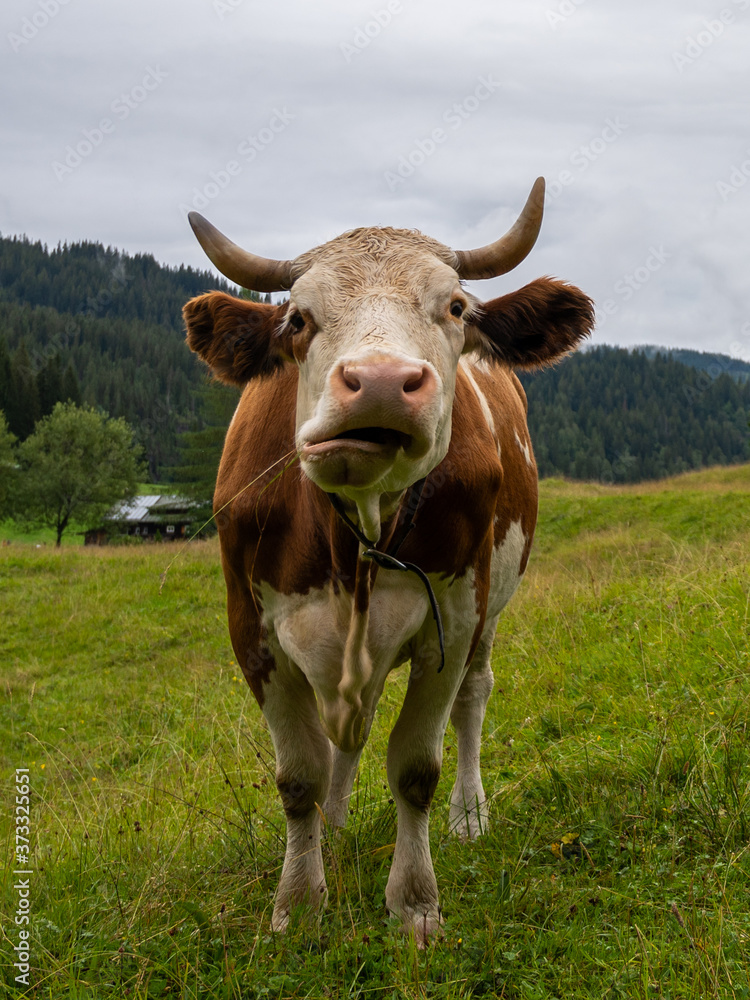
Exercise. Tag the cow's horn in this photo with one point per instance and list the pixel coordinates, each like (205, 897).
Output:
(507, 252)
(260, 274)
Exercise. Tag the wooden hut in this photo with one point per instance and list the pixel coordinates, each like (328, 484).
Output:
(163, 517)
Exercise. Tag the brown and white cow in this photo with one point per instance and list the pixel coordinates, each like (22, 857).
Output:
(380, 371)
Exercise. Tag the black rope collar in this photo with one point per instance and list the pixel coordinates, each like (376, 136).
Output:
(387, 559)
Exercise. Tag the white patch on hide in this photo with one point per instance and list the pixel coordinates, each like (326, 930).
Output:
(313, 628)
(524, 448)
(480, 395)
(505, 572)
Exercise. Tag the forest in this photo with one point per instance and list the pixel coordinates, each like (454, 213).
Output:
(620, 416)
(97, 326)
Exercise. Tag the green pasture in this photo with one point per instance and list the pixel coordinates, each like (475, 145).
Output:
(616, 754)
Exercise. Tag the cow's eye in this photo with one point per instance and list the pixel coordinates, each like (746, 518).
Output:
(297, 320)
(457, 309)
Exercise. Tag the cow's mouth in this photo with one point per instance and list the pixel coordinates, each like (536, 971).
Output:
(369, 439)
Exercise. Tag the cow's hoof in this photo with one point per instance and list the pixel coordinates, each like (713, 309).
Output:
(424, 922)
(468, 824)
(303, 908)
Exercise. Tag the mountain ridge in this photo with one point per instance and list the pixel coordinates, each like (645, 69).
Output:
(112, 322)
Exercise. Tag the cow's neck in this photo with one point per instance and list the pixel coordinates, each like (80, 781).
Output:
(369, 514)
(373, 510)
(407, 506)
(397, 512)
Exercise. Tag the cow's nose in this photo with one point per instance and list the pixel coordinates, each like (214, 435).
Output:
(385, 379)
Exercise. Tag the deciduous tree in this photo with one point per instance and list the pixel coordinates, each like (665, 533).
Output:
(74, 467)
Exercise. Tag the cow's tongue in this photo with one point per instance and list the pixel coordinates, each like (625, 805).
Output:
(367, 438)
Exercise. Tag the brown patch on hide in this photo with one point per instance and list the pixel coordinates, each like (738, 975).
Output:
(417, 784)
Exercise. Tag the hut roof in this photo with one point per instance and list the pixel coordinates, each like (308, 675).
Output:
(152, 509)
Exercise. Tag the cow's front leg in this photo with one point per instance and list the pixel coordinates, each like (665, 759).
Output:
(415, 752)
(303, 768)
(468, 813)
(343, 773)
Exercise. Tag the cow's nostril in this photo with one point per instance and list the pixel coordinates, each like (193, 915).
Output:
(351, 381)
(415, 381)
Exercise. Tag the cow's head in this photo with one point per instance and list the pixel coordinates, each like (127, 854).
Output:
(376, 321)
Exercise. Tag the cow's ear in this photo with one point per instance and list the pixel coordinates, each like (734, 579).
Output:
(239, 340)
(532, 327)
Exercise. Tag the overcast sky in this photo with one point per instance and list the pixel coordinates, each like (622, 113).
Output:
(287, 123)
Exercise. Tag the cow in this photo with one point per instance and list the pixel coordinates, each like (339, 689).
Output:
(376, 503)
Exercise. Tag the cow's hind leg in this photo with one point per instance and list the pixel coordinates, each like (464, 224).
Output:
(303, 768)
(468, 811)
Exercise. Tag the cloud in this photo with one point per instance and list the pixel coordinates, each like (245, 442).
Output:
(636, 115)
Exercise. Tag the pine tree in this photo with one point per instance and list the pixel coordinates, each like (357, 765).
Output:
(22, 408)
(49, 385)
(5, 373)
(71, 390)
(201, 447)
(8, 468)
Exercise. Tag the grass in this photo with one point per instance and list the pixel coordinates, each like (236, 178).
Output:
(149, 489)
(11, 532)
(616, 753)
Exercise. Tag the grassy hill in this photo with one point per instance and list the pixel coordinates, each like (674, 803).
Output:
(616, 754)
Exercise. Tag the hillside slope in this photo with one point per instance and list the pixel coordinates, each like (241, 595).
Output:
(117, 320)
(88, 322)
(614, 415)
